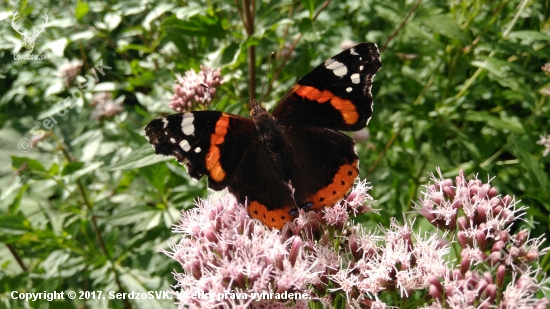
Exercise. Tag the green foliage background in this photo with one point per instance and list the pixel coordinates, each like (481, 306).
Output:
(90, 206)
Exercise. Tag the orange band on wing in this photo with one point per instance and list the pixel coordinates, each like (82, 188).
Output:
(213, 164)
(337, 189)
(270, 218)
(345, 107)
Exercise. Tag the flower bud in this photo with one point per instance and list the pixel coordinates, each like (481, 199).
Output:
(465, 264)
(491, 292)
(463, 223)
(481, 239)
(449, 191)
(521, 237)
(506, 200)
(493, 192)
(462, 239)
(501, 272)
(295, 249)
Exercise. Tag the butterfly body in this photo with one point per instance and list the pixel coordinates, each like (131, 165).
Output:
(295, 157)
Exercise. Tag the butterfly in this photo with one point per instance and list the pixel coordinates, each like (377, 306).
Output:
(293, 158)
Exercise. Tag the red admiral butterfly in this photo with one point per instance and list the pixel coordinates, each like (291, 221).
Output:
(293, 158)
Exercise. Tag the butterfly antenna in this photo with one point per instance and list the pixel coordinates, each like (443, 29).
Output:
(265, 80)
(223, 94)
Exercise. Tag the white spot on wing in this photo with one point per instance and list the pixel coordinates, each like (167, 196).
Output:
(349, 89)
(172, 140)
(360, 68)
(352, 51)
(187, 126)
(165, 123)
(355, 78)
(185, 145)
(198, 149)
(338, 68)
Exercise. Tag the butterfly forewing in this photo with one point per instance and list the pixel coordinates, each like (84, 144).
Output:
(209, 143)
(336, 94)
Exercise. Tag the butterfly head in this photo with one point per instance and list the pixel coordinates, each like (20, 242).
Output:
(263, 120)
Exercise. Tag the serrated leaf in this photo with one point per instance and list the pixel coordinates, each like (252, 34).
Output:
(157, 175)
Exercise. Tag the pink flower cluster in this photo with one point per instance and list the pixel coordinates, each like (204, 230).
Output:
(190, 90)
(223, 250)
(336, 261)
(104, 105)
(69, 71)
(481, 220)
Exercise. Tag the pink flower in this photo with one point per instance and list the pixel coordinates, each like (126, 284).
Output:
(328, 257)
(545, 140)
(105, 106)
(195, 89)
(69, 71)
(224, 251)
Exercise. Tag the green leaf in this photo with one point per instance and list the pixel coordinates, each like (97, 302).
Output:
(14, 225)
(310, 6)
(54, 169)
(132, 215)
(529, 35)
(14, 206)
(143, 156)
(71, 168)
(196, 26)
(112, 20)
(445, 25)
(82, 9)
(155, 13)
(31, 164)
(84, 171)
(490, 66)
(534, 168)
(493, 121)
(157, 175)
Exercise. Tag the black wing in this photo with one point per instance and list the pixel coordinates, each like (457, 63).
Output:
(209, 143)
(336, 94)
(263, 184)
(324, 165)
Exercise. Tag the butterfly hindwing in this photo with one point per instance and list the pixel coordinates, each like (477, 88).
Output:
(336, 94)
(328, 155)
(208, 142)
(262, 183)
